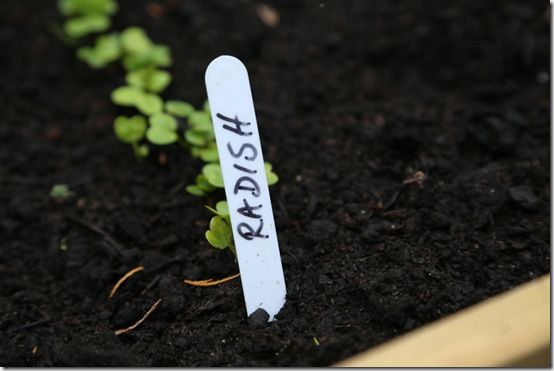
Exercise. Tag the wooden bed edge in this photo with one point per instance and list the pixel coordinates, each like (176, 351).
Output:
(510, 329)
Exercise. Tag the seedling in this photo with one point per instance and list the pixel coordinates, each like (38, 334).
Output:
(213, 175)
(141, 52)
(131, 96)
(178, 108)
(61, 192)
(202, 186)
(220, 234)
(272, 178)
(132, 130)
(149, 79)
(80, 7)
(86, 16)
(106, 50)
(162, 130)
(80, 26)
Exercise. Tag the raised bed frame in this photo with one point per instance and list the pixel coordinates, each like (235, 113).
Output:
(510, 329)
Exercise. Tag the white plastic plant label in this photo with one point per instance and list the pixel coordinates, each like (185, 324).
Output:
(242, 166)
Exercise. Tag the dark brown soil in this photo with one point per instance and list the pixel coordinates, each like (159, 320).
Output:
(353, 98)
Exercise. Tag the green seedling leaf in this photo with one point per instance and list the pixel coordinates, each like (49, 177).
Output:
(135, 97)
(160, 136)
(89, 55)
(61, 192)
(195, 138)
(272, 178)
(201, 121)
(222, 208)
(75, 7)
(203, 184)
(219, 235)
(106, 50)
(209, 154)
(134, 40)
(157, 56)
(212, 172)
(149, 103)
(130, 129)
(195, 151)
(195, 190)
(179, 108)
(149, 79)
(160, 56)
(86, 24)
(136, 78)
(163, 120)
(127, 95)
(158, 81)
(162, 129)
(133, 62)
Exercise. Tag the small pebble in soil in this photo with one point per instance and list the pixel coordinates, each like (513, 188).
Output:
(524, 197)
(258, 319)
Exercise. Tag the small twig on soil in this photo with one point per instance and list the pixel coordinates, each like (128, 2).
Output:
(210, 282)
(124, 278)
(99, 231)
(32, 324)
(417, 177)
(132, 327)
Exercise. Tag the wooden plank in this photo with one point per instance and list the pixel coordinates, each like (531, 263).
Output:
(511, 329)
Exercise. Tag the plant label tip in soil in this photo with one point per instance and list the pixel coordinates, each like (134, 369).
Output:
(246, 188)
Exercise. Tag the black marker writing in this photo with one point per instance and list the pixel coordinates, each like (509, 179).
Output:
(242, 149)
(248, 210)
(250, 234)
(237, 129)
(255, 188)
(243, 169)
(248, 152)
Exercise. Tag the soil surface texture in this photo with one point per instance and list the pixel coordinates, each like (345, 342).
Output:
(412, 144)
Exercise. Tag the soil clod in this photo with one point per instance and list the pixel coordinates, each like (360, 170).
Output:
(258, 319)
